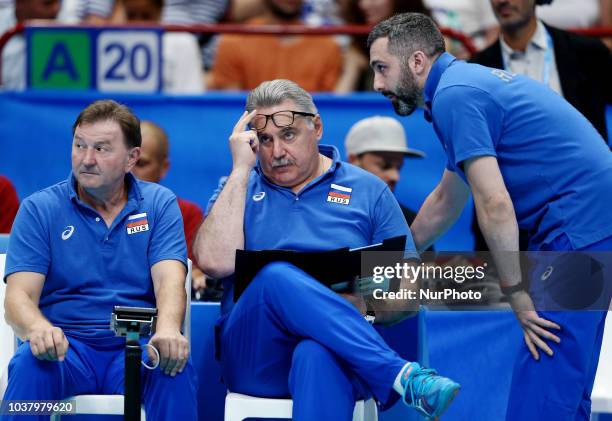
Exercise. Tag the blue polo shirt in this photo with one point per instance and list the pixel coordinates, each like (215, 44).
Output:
(344, 207)
(556, 166)
(89, 267)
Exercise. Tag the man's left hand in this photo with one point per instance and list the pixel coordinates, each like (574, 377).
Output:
(535, 328)
(173, 350)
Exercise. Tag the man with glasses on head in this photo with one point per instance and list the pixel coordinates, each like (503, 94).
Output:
(288, 335)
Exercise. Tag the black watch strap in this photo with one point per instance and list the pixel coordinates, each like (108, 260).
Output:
(507, 291)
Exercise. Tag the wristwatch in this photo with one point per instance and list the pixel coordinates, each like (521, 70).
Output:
(370, 317)
(508, 291)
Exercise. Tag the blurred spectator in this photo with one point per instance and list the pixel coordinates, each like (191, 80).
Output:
(9, 204)
(572, 14)
(181, 56)
(152, 166)
(474, 18)
(576, 67)
(179, 12)
(356, 70)
(314, 12)
(243, 62)
(193, 12)
(321, 12)
(378, 145)
(93, 12)
(372, 12)
(243, 10)
(13, 55)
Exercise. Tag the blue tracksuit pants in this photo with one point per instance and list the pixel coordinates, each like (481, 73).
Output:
(559, 387)
(98, 369)
(290, 336)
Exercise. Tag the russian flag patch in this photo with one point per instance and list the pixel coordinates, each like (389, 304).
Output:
(339, 194)
(137, 223)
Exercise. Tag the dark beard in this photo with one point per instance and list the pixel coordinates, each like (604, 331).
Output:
(282, 14)
(404, 106)
(408, 96)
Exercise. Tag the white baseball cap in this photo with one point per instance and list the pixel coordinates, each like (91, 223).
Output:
(378, 134)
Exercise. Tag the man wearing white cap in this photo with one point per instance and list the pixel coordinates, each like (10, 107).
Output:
(378, 145)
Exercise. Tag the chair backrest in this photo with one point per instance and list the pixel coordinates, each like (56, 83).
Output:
(601, 396)
(6, 333)
(187, 320)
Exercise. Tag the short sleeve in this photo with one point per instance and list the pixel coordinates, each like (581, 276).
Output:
(215, 194)
(168, 238)
(469, 122)
(449, 166)
(28, 249)
(388, 221)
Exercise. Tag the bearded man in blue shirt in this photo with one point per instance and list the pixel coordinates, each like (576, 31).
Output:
(531, 160)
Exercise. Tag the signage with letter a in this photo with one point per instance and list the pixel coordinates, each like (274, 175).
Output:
(103, 59)
(59, 59)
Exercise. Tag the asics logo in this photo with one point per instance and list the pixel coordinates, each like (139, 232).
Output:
(67, 233)
(549, 270)
(259, 196)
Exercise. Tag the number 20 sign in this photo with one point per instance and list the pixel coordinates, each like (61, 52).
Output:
(108, 60)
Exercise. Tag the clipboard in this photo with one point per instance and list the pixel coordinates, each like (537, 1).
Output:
(333, 268)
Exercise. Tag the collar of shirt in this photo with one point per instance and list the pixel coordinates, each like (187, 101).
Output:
(134, 192)
(329, 151)
(433, 79)
(537, 42)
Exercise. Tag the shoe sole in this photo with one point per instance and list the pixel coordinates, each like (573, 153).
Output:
(446, 404)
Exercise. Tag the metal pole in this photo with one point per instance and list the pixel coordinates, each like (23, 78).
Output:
(133, 357)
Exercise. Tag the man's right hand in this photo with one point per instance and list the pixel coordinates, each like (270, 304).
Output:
(48, 342)
(356, 300)
(244, 143)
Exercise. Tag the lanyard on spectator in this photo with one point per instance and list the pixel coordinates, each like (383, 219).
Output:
(548, 58)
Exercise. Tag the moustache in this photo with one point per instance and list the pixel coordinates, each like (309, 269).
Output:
(283, 162)
(88, 171)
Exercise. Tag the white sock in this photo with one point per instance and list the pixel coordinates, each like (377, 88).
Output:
(397, 384)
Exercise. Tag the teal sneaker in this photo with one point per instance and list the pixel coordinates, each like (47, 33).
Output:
(426, 391)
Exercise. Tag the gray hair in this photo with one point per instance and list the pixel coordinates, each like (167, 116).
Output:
(409, 32)
(274, 92)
